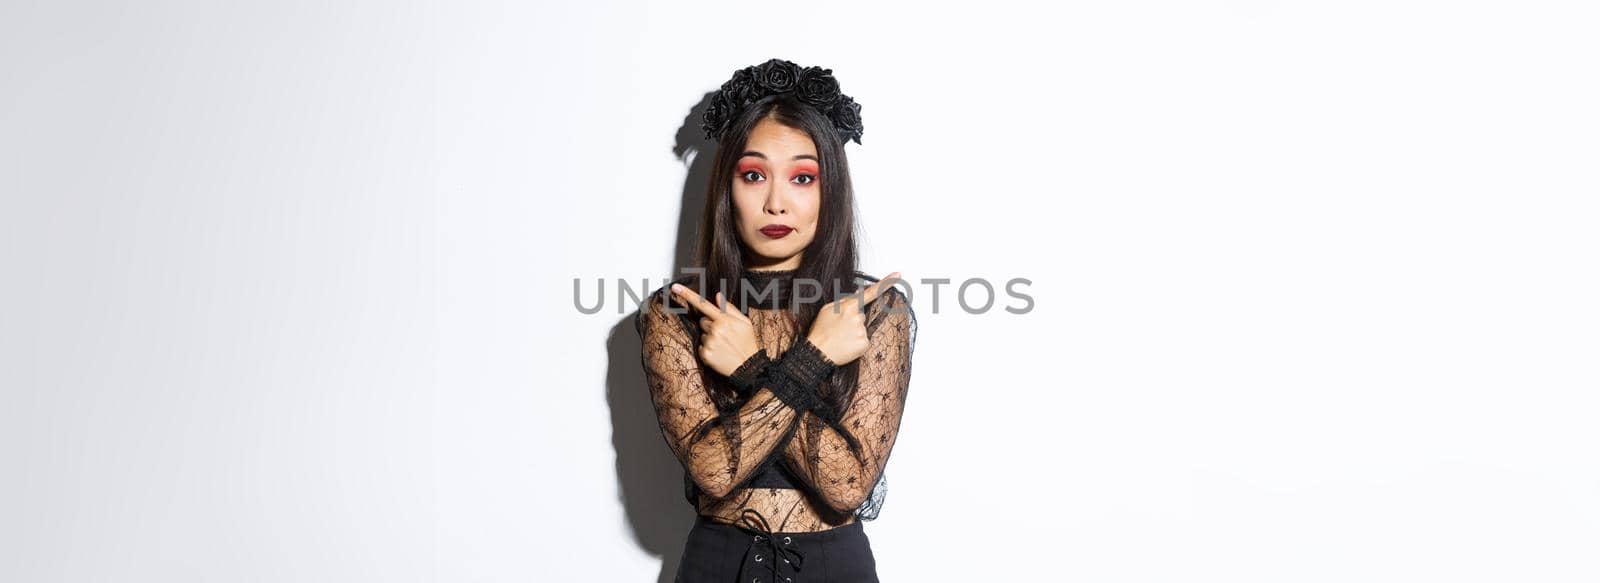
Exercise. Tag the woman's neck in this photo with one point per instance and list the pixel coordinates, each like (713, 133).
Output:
(765, 287)
(786, 264)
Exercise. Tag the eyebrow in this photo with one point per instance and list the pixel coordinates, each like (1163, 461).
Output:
(764, 156)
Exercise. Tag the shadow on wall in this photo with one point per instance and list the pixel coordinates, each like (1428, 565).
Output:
(649, 476)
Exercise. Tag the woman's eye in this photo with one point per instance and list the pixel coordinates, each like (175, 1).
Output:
(748, 173)
(809, 178)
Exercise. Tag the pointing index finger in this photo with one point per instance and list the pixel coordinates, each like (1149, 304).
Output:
(688, 296)
(873, 291)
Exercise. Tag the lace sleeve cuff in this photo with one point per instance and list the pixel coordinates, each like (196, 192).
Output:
(798, 373)
(752, 374)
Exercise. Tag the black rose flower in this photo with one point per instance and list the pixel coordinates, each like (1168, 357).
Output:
(818, 87)
(716, 115)
(777, 76)
(741, 90)
(846, 115)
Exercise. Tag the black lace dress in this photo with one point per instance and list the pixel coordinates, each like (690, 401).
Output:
(788, 417)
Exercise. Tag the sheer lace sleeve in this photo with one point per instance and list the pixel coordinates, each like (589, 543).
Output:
(720, 439)
(842, 455)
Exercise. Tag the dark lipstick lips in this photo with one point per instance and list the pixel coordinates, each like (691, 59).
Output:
(776, 231)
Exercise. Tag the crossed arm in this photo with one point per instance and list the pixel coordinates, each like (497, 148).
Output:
(841, 456)
(718, 449)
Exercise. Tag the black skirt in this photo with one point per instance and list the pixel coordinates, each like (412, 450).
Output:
(749, 553)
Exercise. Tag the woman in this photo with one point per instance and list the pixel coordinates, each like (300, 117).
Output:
(782, 391)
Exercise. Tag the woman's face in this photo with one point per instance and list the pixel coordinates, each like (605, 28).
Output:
(776, 184)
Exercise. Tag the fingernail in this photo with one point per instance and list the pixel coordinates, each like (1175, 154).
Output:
(677, 287)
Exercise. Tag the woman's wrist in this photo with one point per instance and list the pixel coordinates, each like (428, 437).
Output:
(796, 376)
(806, 363)
(816, 343)
(752, 373)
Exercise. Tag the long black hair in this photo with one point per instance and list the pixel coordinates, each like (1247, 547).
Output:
(830, 258)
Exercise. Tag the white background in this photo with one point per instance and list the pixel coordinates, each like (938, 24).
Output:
(288, 287)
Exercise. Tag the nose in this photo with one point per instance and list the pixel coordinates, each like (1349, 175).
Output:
(777, 202)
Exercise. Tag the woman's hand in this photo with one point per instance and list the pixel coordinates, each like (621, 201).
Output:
(727, 338)
(840, 330)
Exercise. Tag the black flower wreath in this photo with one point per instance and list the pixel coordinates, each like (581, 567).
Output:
(814, 86)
